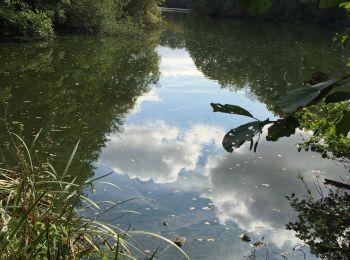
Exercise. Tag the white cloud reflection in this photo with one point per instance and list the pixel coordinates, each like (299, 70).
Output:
(150, 96)
(157, 151)
(176, 63)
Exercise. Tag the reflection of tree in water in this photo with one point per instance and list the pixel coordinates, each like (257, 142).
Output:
(74, 88)
(263, 58)
(323, 223)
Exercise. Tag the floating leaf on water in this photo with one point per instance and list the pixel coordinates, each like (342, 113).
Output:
(258, 244)
(231, 109)
(180, 241)
(304, 96)
(246, 238)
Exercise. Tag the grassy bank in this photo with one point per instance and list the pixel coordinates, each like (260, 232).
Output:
(40, 213)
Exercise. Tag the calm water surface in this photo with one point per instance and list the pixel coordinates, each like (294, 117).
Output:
(141, 107)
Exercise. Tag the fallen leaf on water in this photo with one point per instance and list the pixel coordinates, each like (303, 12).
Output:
(180, 241)
(259, 244)
(246, 238)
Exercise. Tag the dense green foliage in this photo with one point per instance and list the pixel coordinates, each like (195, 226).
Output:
(270, 9)
(36, 18)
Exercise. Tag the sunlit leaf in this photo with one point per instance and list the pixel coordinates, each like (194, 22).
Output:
(343, 126)
(338, 97)
(282, 128)
(238, 136)
(304, 96)
(231, 109)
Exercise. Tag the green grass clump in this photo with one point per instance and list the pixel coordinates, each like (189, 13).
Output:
(40, 213)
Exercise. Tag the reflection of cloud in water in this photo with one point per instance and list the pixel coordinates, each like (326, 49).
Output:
(249, 189)
(176, 63)
(148, 97)
(157, 151)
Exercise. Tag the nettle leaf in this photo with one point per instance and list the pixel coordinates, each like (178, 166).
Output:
(304, 96)
(231, 109)
(337, 97)
(282, 128)
(256, 7)
(329, 3)
(343, 126)
(238, 136)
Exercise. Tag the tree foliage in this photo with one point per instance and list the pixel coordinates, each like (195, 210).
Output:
(37, 18)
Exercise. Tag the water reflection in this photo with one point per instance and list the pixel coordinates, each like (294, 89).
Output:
(264, 59)
(74, 88)
(144, 111)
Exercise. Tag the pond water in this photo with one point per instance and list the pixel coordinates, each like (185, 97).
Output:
(141, 108)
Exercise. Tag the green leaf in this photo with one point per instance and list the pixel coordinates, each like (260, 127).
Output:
(329, 3)
(343, 126)
(304, 96)
(282, 128)
(256, 7)
(231, 109)
(238, 136)
(337, 97)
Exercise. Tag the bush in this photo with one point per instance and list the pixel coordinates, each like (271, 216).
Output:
(38, 18)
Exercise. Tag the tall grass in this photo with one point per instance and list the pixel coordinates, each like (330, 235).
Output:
(39, 214)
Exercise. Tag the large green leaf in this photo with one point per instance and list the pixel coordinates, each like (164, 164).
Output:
(256, 7)
(329, 3)
(338, 97)
(238, 136)
(282, 128)
(304, 96)
(231, 109)
(343, 126)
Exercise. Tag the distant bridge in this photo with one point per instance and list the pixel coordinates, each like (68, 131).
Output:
(174, 10)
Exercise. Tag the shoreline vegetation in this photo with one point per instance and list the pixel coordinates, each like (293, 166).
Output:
(42, 19)
(42, 212)
(319, 11)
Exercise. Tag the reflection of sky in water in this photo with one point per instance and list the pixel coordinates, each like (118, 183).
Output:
(170, 150)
